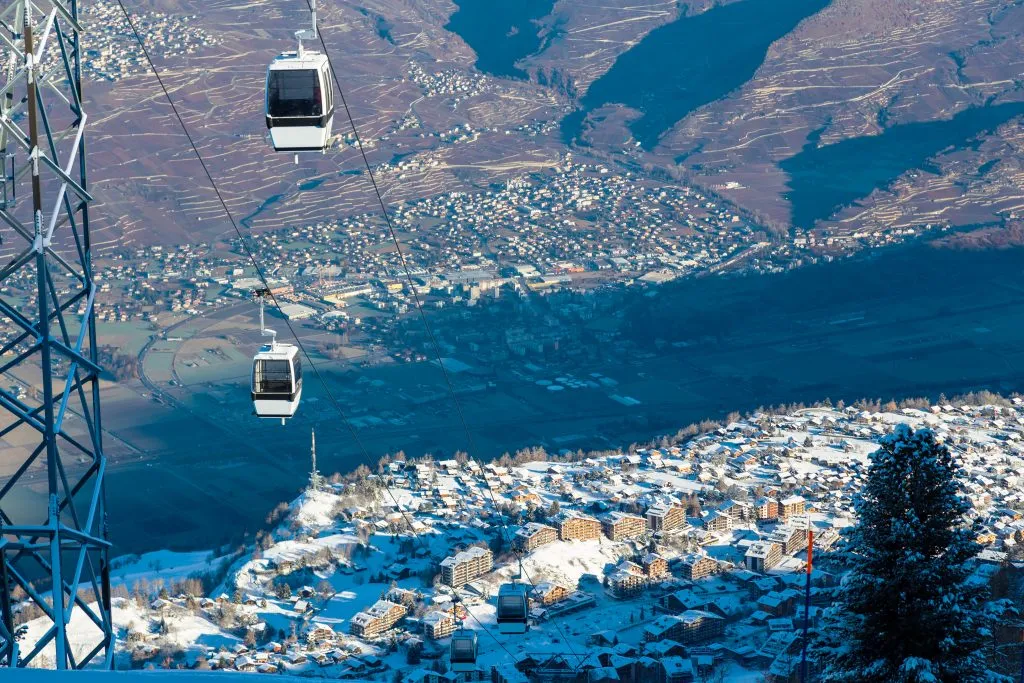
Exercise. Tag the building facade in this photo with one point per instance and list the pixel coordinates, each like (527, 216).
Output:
(665, 517)
(377, 619)
(695, 567)
(692, 626)
(461, 568)
(547, 593)
(792, 539)
(534, 535)
(717, 521)
(627, 579)
(766, 509)
(438, 624)
(792, 506)
(655, 566)
(622, 526)
(762, 556)
(575, 526)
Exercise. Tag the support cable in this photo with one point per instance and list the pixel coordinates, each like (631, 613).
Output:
(422, 314)
(263, 280)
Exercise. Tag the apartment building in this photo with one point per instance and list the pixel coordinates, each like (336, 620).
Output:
(665, 517)
(461, 568)
(627, 579)
(692, 626)
(792, 539)
(575, 526)
(792, 506)
(547, 593)
(762, 556)
(655, 566)
(695, 567)
(438, 624)
(717, 521)
(766, 509)
(533, 535)
(740, 511)
(377, 619)
(621, 526)
(676, 669)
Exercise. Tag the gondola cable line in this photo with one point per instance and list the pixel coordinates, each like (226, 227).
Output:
(422, 314)
(301, 347)
(273, 298)
(267, 291)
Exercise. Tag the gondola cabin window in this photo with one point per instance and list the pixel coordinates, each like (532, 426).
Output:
(294, 92)
(463, 649)
(511, 605)
(273, 376)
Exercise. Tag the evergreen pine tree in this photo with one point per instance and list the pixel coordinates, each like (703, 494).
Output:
(906, 611)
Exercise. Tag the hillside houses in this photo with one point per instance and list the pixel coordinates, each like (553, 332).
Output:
(722, 588)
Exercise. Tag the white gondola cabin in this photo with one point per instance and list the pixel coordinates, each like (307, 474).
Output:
(463, 650)
(300, 102)
(276, 380)
(300, 97)
(513, 608)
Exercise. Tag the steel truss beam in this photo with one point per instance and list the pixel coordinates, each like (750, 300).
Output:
(54, 553)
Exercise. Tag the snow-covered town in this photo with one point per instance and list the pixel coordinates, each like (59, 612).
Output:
(685, 561)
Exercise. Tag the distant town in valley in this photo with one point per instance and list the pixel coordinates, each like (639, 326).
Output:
(580, 228)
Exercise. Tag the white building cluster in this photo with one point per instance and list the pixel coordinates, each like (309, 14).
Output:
(689, 557)
(111, 51)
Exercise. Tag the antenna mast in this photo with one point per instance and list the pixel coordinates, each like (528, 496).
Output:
(54, 552)
(315, 480)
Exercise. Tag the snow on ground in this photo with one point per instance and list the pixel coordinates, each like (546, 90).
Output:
(677, 481)
(313, 508)
(573, 564)
(566, 562)
(160, 565)
(183, 629)
(140, 676)
(295, 550)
